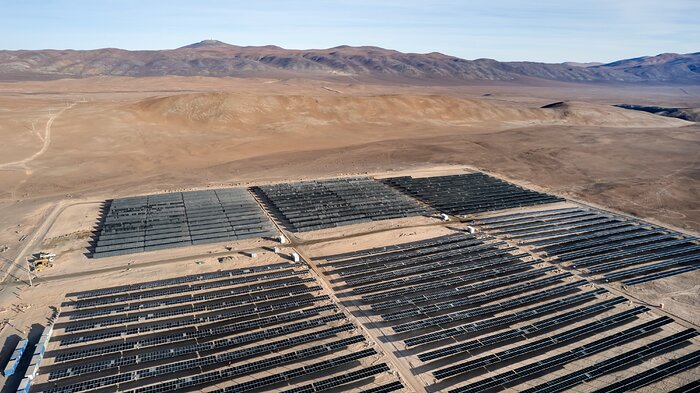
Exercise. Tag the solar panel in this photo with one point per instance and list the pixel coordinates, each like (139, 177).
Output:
(490, 309)
(175, 220)
(194, 320)
(230, 372)
(386, 388)
(445, 272)
(475, 299)
(565, 357)
(256, 383)
(436, 294)
(210, 345)
(664, 274)
(180, 280)
(481, 325)
(319, 204)
(444, 278)
(620, 361)
(545, 344)
(468, 193)
(334, 382)
(238, 291)
(524, 331)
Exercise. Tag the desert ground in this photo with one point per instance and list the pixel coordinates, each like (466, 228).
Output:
(67, 145)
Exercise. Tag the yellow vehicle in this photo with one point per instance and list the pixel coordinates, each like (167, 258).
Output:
(42, 263)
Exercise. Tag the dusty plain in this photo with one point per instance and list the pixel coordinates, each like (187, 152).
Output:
(67, 145)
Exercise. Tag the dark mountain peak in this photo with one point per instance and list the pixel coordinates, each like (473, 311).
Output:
(207, 44)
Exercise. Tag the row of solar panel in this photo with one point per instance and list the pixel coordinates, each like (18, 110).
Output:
(449, 268)
(179, 280)
(629, 335)
(149, 223)
(199, 297)
(544, 344)
(523, 332)
(227, 357)
(530, 294)
(186, 310)
(504, 320)
(611, 245)
(468, 193)
(235, 371)
(177, 351)
(205, 331)
(306, 206)
(174, 290)
(348, 258)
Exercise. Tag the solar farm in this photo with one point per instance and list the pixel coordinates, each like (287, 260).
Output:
(154, 222)
(268, 327)
(474, 314)
(479, 285)
(605, 246)
(314, 205)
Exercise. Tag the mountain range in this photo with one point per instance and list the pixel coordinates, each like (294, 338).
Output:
(218, 59)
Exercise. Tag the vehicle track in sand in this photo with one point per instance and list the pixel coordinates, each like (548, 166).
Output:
(45, 146)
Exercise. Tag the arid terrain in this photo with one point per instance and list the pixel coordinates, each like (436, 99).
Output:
(70, 144)
(102, 137)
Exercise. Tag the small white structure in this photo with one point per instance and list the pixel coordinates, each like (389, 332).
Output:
(444, 217)
(277, 250)
(252, 254)
(471, 230)
(296, 258)
(283, 239)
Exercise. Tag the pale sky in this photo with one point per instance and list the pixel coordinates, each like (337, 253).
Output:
(533, 30)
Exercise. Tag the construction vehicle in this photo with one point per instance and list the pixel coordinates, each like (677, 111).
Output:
(43, 261)
(41, 264)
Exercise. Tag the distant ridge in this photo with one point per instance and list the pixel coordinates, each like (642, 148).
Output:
(219, 59)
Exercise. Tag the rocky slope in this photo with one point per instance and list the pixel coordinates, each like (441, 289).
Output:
(215, 58)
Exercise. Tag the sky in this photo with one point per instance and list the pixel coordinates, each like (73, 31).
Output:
(505, 30)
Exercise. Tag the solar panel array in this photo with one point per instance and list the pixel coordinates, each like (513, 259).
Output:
(469, 193)
(319, 204)
(605, 245)
(154, 222)
(268, 327)
(463, 310)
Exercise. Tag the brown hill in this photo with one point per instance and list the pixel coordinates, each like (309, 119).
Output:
(215, 58)
(242, 111)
